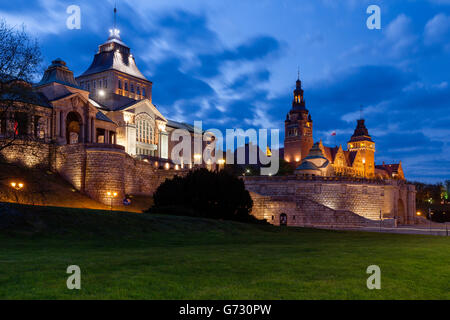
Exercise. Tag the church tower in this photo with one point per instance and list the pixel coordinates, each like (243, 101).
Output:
(298, 139)
(361, 142)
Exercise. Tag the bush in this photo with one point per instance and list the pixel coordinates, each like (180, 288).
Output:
(203, 193)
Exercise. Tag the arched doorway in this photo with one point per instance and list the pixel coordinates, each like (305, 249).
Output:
(73, 128)
(401, 214)
(283, 219)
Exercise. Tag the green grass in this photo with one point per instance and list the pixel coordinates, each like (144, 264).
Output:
(142, 256)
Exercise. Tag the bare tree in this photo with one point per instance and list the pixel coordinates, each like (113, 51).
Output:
(20, 58)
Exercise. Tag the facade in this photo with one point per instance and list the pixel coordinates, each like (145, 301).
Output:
(317, 159)
(101, 130)
(331, 187)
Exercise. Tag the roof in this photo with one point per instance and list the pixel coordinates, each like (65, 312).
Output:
(114, 55)
(58, 72)
(330, 153)
(25, 94)
(102, 117)
(316, 152)
(389, 168)
(180, 125)
(306, 165)
(350, 156)
(113, 102)
(361, 133)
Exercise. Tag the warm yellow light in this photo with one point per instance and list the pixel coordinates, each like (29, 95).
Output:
(197, 156)
(177, 167)
(297, 159)
(21, 185)
(419, 213)
(364, 161)
(115, 194)
(221, 161)
(109, 194)
(13, 184)
(127, 117)
(167, 166)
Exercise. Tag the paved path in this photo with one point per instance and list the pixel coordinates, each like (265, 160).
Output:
(406, 229)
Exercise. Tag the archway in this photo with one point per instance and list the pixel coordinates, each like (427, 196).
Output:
(283, 219)
(401, 214)
(73, 128)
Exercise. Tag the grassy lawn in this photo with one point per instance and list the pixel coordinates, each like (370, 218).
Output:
(142, 256)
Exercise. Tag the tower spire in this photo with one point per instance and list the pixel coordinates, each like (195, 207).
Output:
(115, 14)
(298, 72)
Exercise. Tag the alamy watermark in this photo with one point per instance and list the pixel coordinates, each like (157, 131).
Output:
(209, 145)
(374, 281)
(74, 280)
(374, 20)
(74, 19)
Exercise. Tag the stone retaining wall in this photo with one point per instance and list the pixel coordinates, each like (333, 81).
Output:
(331, 201)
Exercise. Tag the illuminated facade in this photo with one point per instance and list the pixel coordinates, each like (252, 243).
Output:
(319, 160)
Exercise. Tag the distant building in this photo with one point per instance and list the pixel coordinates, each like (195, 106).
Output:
(309, 158)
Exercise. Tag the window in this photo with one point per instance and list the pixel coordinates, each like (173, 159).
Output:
(88, 86)
(132, 88)
(138, 91)
(120, 84)
(145, 132)
(82, 85)
(94, 84)
(143, 92)
(105, 83)
(126, 86)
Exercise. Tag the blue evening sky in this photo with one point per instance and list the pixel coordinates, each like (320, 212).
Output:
(233, 64)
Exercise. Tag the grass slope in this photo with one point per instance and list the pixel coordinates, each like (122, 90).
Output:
(142, 256)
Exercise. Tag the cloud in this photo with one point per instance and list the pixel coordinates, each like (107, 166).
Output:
(437, 30)
(400, 39)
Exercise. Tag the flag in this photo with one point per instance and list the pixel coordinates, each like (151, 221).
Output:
(16, 128)
(333, 134)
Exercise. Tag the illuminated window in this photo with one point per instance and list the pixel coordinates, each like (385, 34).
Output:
(145, 131)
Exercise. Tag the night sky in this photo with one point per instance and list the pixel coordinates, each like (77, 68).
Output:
(233, 64)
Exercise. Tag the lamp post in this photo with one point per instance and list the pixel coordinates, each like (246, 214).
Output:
(17, 186)
(364, 168)
(111, 196)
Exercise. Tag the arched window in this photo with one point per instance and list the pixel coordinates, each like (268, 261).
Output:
(145, 131)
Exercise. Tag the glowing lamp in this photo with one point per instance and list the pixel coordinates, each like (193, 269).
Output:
(418, 213)
(221, 161)
(101, 93)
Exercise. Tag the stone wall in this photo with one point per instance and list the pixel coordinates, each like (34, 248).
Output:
(95, 169)
(331, 201)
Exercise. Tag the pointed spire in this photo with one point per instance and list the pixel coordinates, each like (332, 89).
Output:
(115, 15)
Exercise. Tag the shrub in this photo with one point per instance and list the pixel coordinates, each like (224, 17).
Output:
(203, 193)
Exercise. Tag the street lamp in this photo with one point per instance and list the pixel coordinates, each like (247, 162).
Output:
(364, 164)
(17, 186)
(111, 196)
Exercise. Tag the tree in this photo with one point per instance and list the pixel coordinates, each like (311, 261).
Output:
(217, 195)
(20, 58)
